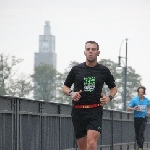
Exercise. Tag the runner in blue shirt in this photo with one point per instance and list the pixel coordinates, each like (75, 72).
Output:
(141, 107)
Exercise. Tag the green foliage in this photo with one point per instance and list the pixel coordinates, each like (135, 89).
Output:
(11, 83)
(60, 81)
(21, 87)
(133, 81)
(44, 82)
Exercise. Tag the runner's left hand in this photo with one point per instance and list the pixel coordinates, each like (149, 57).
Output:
(104, 100)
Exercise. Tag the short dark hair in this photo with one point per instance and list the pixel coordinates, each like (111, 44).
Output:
(93, 42)
(141, 87)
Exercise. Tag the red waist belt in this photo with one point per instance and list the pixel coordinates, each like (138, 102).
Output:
(86, 106)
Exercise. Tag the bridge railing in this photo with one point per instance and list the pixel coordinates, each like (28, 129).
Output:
(38, 125)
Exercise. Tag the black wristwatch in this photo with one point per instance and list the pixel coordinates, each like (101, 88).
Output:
(70, 93)
(111, 97)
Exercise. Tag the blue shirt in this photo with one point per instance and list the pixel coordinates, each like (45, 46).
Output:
(142, 106)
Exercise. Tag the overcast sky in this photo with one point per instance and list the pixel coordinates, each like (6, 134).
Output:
(73, 22)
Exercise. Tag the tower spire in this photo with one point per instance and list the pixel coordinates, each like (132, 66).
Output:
(47, 28)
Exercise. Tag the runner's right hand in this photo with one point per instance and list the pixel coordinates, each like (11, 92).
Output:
(76, 95)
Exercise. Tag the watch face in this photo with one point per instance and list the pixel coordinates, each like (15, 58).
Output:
(110, 97)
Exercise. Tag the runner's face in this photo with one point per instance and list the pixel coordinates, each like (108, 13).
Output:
(141, 92)
(91, 52)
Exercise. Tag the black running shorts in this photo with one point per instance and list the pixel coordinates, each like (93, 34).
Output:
(86, 119)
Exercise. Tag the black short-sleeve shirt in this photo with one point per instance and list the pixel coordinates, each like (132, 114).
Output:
(90, 80)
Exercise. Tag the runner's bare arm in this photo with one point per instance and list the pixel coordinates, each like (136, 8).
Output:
(66, 90)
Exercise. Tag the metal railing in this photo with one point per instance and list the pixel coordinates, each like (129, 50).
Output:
(37, 125)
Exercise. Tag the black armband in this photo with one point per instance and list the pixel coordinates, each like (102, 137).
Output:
(70, 93)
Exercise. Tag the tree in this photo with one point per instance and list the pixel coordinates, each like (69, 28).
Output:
(21, 87)
(10, 82)
(62, 76)
(133, 81)
(44, 82)
(60, 97)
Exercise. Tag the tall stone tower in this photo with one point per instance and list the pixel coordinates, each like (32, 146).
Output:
(46, 52)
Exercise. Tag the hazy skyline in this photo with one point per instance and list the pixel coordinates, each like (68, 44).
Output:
(73, 23)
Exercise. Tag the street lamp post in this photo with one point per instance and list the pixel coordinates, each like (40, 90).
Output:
(3, 76)
(125, 72)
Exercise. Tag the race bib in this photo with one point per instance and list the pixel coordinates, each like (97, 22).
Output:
(141, 108)
(89, 84)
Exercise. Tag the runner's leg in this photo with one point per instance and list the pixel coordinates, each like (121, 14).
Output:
(92, 138)
(82, 143)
